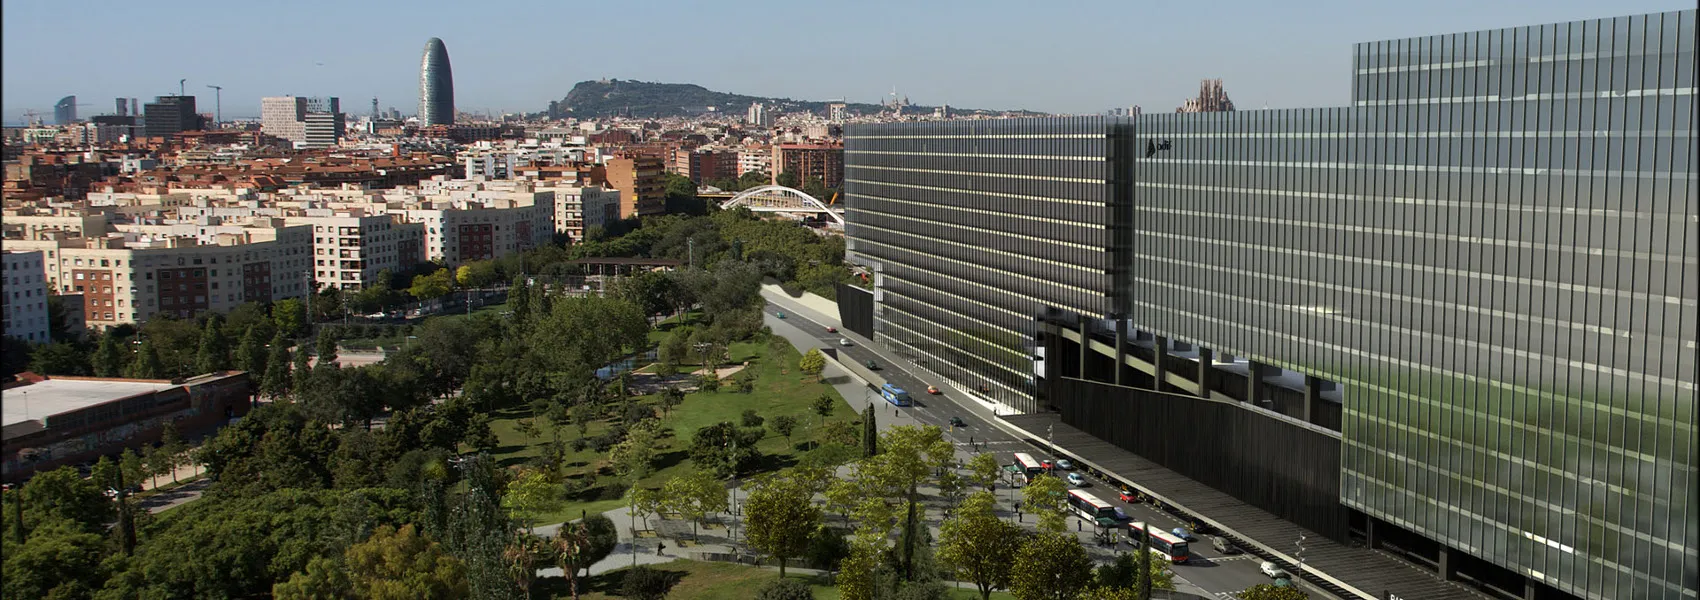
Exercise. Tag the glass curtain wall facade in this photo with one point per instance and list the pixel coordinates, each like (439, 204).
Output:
(1494, 252)
(436, 85)
(974, 229)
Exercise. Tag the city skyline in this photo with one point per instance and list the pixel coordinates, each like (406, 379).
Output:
(1284, 59)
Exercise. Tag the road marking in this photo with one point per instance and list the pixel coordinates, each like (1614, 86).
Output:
(1217, 559)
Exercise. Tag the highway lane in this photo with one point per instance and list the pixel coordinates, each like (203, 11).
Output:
(1214, 573)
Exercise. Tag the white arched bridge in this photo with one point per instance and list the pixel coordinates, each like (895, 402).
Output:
(778, 198)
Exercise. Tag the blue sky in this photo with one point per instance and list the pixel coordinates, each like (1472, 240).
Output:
(1066, 57)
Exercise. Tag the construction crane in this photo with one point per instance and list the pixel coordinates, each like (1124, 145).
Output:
(32, 118)
(218, 103)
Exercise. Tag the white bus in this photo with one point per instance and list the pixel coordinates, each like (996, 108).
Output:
(1029, 467)
(1159, 542)
(1090, 507)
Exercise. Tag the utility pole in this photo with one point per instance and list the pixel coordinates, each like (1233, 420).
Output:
(218, 103)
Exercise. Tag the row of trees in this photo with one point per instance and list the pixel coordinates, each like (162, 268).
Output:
(890, 551)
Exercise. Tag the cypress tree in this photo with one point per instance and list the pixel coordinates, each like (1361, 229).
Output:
(519, 299)
(325, 347)
(147, 363)
(870, 433)
(1142, 577)
(108, 360)
(300, 372)
(251, 353)
(276, 380)
(214, 353)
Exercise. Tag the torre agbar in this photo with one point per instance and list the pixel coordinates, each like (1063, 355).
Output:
(1474, 292)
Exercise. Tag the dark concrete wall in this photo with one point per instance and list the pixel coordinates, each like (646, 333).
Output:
(1279, 467)
(856, 310)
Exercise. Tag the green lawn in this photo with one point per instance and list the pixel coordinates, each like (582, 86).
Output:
(780, 390)
(725, 581)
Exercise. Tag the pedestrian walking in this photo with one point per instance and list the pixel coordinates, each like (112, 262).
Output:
(659, 548)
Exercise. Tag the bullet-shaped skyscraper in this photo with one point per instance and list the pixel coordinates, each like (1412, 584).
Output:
(436, 86)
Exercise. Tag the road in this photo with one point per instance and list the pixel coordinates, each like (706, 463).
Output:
(1214, 573)
(174, 497)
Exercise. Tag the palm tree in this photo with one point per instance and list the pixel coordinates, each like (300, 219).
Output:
(523, 554)
(570, 545)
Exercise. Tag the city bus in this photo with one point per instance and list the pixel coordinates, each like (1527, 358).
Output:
(895, 395)
(1161, 543)
(1089, 506)
(1028, 466)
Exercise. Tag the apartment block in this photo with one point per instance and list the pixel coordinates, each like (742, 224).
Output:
(638, 178)
(128, 277)
(703, 165)
(755, 161)
(459, 231)
(351, 247)
(576, 207)
(25, 295)
(810, 161)
(306, 122)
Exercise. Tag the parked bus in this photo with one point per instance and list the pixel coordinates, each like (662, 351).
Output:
(895, 395)
(1089, 506)
(1028, 466)
(1159, 542)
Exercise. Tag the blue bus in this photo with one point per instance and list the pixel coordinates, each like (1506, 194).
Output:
(895, 395)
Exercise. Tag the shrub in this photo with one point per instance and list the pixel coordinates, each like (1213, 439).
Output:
(784, 589)
(751, 419)
(645, 583)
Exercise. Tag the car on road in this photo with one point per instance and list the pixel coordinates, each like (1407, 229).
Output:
(1121, 515)
(1046, 465)
(1274, 571)
(873, 366)
(1076, 480)
(831, 329)
(1062, 463)
(1221, 544)
(1128, 496)
(844, 342)
(780, 315)
(958, 422)
(1182, 533)
(932, 390)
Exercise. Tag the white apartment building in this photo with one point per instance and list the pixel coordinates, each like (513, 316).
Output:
(498, 161)
(129, 277)
(25, 278)
(758, 161)
(352, 247)
(26, 225)
(459, 231)
(308, 122)
(575, 206)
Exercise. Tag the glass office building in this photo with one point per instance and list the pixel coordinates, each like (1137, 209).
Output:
(973, 229)
(436, 85)
(1494, 251)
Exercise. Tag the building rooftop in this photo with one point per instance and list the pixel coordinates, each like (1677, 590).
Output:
(37, 401)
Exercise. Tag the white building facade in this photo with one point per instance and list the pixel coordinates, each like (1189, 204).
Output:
(26, 313)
